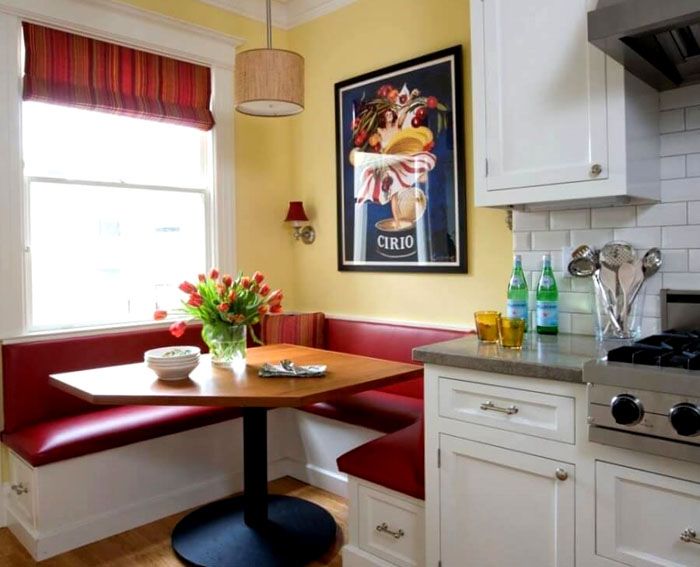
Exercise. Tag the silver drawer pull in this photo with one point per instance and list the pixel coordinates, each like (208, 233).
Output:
(688, 535)
(19, 489)
(384, 527)
(490, 406)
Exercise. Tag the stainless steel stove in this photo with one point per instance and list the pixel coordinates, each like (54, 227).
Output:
(645, 395)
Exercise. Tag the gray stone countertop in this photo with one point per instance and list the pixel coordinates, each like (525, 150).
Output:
(559, 357)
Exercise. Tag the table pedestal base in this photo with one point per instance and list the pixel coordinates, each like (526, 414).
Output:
(216, 535)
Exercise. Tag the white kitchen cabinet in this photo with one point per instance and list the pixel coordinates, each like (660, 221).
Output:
(645, 519)
(503, 506)
(554, 119)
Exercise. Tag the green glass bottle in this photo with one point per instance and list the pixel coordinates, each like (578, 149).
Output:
(547, 300)
(517, 304)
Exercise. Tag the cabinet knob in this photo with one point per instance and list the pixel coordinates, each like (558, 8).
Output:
(689, 535)
(596, 169)
(19, 489)
(561, 474)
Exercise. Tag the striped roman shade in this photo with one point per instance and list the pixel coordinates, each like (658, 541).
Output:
(305, 329)
(69, 69)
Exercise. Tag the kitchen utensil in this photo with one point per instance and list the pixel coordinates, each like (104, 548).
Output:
(629, 275)
(614, 254)
(651, 262)
(581, 267)
(608, 285)
(583, 251)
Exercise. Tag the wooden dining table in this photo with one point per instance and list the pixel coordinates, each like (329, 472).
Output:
(255, 529)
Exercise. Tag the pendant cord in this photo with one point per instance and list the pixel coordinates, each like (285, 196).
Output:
(269, 24)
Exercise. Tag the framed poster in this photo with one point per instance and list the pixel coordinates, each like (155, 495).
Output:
(400, 167)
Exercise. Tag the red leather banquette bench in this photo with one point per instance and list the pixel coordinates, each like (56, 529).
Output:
(44, 425)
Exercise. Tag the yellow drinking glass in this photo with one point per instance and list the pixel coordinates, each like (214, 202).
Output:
(487, 325)
(511, 331)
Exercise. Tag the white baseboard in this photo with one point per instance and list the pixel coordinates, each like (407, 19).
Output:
(332, 481)
(4, 488)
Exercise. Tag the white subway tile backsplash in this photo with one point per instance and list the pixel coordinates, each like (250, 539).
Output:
(680, 143)
(570, 219)
(613, 217)
(694, 213)
(687, 280)
(692, 117)
(538, 220)
(680, 189)
(694, 260)
(679, 98)
(673, 224)
(597, 237)
(582, 324)
(662, 215)
(681, 236)
(550, 240)
(671, 121)
(675, 261)
(673, 167)
(521, 241)
(692, 165)
(639, 237)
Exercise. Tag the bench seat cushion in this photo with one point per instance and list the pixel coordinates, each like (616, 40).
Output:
(77, 435)
(381, 411)
(395, 461)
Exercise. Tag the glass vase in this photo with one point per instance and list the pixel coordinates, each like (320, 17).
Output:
(227, 344)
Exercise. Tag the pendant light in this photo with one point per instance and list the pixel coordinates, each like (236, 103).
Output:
(269, 82)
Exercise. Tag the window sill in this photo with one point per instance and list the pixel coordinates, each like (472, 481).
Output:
(47, 335)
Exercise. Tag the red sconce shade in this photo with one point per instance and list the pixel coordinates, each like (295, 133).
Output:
(296, 212)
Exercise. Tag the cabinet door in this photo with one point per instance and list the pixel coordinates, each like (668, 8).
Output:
(545, 94)
(502, 507)
(645, 519)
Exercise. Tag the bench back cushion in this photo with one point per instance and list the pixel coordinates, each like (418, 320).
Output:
(305, 329)
(29, 398)
(388, 341)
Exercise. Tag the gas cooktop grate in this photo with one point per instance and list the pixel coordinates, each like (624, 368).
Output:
(676, 349)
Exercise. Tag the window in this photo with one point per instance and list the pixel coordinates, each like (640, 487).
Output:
(102, 214)
(117, 214)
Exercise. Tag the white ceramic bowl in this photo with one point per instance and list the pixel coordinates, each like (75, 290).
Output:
(171, 354)
(173, 373)
(172, 363)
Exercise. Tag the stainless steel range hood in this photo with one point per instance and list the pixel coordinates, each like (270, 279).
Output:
(656, 40)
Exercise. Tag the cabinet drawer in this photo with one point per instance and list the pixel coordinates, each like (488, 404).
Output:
(641, 516)
(532, 413)
(21, 496)
(391, 528)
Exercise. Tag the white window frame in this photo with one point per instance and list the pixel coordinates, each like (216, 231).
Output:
(119, 23)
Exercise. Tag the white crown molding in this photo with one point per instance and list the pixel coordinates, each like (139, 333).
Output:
(285, 15)
(128, 25)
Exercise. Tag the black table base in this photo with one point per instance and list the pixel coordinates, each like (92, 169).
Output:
(255, 530)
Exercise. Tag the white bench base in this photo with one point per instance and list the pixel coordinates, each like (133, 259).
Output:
(75, 502)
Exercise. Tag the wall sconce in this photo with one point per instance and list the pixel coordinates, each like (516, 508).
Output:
(297, 216)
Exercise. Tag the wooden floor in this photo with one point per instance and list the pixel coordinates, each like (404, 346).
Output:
(149, 545)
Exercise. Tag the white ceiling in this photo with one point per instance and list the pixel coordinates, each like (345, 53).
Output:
(285, 13)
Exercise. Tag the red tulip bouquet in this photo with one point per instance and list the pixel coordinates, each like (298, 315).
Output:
(227, 307)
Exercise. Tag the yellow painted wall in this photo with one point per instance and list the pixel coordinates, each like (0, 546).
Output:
(367, 35)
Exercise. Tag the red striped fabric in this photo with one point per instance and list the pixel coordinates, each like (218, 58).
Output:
(305, 329)
(72, 70)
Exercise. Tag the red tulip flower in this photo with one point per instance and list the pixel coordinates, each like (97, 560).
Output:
(228, 280)
(264, 289)
(177, 329)
(195, 300)
(262, 309)
(202, 278)
(159, 315)
(245, 282)
(276, 309)
(258, 277)
(187, 287)
(223, 307)
(214, 274)
(232, 296)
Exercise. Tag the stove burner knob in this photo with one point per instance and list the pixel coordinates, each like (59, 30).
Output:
(626, 409)
(685, 419)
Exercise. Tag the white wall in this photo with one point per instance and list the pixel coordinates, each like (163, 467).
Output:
(673, 225)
